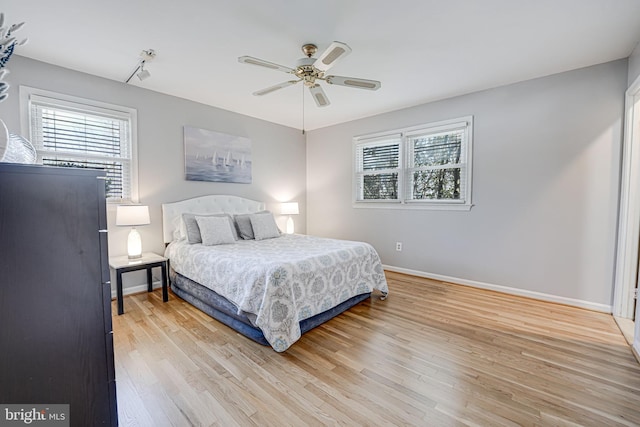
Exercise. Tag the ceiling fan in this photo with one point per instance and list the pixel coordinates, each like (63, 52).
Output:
(309, 70)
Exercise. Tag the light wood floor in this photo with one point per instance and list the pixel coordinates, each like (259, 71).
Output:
(432, 354)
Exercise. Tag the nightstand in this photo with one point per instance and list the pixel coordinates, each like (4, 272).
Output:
(149, 260)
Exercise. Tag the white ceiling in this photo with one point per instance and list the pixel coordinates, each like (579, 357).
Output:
(421, 50)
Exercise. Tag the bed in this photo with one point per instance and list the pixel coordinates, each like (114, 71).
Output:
(270, 289)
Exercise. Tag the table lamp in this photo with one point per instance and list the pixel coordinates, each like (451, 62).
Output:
(132, 215)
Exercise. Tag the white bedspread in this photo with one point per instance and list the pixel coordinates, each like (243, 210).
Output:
(281, 281)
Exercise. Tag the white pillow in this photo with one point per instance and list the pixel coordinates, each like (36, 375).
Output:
(178, 228)
(264, 226)
(215, 230)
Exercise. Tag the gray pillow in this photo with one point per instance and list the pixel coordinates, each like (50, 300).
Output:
(243, 223)
(264, 226)
(193, 230)
(215, 230)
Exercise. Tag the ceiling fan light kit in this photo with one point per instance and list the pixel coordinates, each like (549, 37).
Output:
(310, 70)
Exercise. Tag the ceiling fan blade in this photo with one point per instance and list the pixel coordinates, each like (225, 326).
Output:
(319, 96)
(329, 57)
(270, 89)
(262, 63)
(353, 82)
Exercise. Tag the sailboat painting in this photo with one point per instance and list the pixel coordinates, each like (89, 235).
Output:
(215, 156)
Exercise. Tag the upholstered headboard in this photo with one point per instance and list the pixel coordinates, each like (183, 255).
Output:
(204, 205)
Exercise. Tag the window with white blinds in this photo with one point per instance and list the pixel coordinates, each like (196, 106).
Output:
(427, 166)
(378, 163)
(80, 133)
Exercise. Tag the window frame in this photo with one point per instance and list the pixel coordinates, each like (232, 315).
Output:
(406, 167)
(88, 106)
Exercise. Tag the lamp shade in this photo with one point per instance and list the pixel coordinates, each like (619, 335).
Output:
(290, 208)
(132, 215)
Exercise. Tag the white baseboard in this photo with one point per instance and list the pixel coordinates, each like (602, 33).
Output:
(135, 289)
(456, 280)
(505, 289)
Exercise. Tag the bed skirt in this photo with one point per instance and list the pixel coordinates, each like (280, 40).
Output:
(226, 312)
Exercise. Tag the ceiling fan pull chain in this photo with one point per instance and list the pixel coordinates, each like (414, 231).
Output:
(303, 109)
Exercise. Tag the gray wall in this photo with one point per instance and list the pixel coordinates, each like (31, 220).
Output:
(278, 152)
(634, 65)
(545, 187)
(546, 166)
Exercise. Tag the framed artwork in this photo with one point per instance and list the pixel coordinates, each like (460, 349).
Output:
(216, 156)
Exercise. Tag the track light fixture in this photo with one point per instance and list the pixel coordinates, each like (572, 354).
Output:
(145, 56)
(143, 74)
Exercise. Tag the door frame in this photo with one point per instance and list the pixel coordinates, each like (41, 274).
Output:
(626, 268)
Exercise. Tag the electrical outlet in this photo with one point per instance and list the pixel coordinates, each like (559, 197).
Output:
(399, 246)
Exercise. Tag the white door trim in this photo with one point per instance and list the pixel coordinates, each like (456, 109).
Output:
(626, 269)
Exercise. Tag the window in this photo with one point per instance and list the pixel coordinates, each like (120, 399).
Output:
(73, 132)
(379, 162)
(426, 166)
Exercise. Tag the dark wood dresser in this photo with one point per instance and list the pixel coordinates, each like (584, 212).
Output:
(56, 342)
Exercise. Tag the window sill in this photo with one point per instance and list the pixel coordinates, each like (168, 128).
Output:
(414, 206)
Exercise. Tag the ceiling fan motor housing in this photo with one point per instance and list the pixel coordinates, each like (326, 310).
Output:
(307, 72)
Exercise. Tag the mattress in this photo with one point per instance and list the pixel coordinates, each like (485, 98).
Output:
(278, 283)
(224, 311)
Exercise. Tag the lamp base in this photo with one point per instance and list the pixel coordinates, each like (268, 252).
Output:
(290, 226)
(134, 244)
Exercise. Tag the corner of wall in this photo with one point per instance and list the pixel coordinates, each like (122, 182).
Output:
(634, 65)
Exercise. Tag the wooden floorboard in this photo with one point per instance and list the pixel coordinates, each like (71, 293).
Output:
(432, 354)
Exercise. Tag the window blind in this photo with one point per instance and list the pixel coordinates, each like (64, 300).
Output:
(67, 134)
(439, 149)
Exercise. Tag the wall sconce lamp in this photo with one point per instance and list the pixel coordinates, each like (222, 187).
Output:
(132, 215)
(290, 208)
